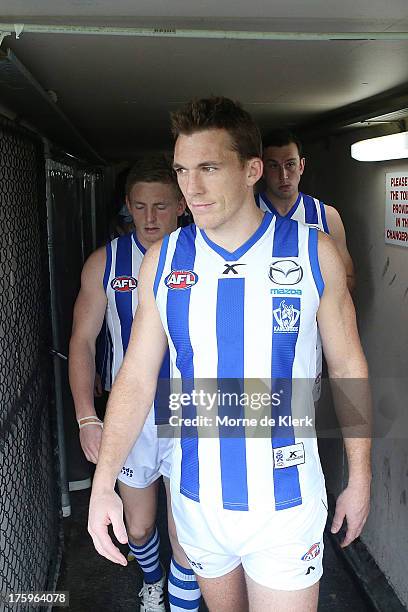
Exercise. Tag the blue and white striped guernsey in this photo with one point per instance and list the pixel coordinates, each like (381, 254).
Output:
(306, 209)
(309, 211)
(250, 314)
(124, 257)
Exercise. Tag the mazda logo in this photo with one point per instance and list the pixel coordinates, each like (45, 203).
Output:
(285, 272)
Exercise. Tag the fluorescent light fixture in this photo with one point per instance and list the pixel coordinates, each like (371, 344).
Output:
(393, 146)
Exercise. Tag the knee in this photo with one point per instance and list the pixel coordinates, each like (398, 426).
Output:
(172, 532)
(139, 533)
(178, 552)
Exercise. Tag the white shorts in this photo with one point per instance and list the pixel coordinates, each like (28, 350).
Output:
(149, 458)
(280, 550)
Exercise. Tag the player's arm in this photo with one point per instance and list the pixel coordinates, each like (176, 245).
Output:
(349, 377)
(338, 234)
(89, 312)
(130, 400)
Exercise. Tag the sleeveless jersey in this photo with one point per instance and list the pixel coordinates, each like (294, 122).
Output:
(231, 317)
(124, 257)
(306, 209)
(309, 211)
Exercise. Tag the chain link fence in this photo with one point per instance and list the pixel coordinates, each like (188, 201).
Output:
(75, 205)
(30, 542)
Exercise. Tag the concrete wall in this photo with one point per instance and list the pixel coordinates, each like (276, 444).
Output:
(357, 190)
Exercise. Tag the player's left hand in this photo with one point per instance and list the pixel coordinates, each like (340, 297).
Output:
(353, 504)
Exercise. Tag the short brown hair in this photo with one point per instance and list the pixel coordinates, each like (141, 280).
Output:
(220, 113)
(281, 138)
(155, 168)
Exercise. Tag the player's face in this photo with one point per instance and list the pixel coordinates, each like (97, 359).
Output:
(154, 208)
(213, 179)
(282, 171)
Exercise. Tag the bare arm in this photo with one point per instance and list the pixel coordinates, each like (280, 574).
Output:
(349, 376)
(338, 234)
(89, 312)
(129, 404)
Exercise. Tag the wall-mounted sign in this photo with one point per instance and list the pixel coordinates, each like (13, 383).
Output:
(396, 208)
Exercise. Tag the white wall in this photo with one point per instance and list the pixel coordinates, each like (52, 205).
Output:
(358, 191)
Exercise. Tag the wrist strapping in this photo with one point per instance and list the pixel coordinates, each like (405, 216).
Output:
(89, 420)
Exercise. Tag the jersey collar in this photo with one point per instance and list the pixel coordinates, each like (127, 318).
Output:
(138, 244)
(273, 210)
(244, 248)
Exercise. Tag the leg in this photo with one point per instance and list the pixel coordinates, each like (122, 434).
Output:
(285, 575)
(140, 507)
(178, 553)
(271, 600)
(182, 584)
(226, 593)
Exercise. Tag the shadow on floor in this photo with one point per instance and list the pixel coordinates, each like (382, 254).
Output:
(97, 584)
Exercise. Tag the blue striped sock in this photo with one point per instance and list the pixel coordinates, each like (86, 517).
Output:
(148, 558)
(184, 592)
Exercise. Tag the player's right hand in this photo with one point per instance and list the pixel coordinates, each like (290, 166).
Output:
(106, 509)
(90, 438)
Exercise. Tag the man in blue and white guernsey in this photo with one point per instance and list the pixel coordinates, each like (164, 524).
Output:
(284, 165)
(249, 511)
(109, 288)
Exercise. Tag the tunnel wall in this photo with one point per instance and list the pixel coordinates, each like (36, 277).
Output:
(357, 190)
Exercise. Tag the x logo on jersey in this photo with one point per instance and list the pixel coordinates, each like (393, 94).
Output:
(231, 268)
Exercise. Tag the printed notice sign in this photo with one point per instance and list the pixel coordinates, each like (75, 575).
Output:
(396, 208)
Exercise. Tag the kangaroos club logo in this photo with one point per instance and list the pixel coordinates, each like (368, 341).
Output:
(286, 316)
(181, 279)
(285, 272)
(124, 283)
(312, 553)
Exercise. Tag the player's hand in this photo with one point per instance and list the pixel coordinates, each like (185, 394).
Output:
(353, 504)
(90, 438)
(98, 391)
(106, 509)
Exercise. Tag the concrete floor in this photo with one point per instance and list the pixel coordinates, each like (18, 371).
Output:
(97, 584)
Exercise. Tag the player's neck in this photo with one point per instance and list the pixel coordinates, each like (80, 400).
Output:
(140, 240)
(237, 229)
(282, 205)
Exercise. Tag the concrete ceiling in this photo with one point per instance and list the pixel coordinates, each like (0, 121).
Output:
(117, 90)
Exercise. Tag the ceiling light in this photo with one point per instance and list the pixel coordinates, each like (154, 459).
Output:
(397, 115)
(394, 146)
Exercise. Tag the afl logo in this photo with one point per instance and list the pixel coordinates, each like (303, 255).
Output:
(181, 279)
(124, 283)
(312, 553)
(285, 272)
